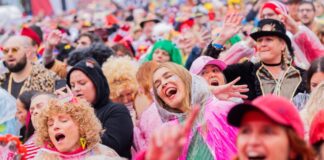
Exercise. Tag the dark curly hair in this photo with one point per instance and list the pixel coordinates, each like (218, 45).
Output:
(98, 51)
(92, 36)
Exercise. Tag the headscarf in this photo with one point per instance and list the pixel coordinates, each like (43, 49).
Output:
(167, 46)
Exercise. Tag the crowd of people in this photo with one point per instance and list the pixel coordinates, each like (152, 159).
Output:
(165, 80)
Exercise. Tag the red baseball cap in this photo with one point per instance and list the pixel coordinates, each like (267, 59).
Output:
(316, 132)
(279, 109)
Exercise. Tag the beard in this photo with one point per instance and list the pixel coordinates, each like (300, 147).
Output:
(20, 65)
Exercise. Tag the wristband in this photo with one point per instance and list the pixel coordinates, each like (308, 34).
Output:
(218, 46)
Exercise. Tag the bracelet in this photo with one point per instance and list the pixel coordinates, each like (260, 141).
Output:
(218, 46)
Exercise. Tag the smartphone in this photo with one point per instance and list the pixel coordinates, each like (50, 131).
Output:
(62, 91)
(60, 84)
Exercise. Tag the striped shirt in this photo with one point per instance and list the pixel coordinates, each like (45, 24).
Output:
(31, 148)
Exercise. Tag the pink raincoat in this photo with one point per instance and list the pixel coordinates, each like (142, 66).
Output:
(211, 137)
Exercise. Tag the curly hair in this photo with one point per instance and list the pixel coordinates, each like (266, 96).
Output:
(81, 113)
(92, 36)
(120, 73)
(98, 51)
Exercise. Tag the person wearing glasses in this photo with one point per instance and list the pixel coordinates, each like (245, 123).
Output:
(306, 14)
(22, 75)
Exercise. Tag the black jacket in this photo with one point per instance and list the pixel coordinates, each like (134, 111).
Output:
(115, 118)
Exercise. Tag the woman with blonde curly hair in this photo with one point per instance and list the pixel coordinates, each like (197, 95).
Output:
(70, 130)
(120, 73)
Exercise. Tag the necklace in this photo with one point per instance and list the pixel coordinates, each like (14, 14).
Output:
(272, 65)
(10, 85)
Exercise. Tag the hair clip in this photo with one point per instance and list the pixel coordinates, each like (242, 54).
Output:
(90, 63)
(67, 47)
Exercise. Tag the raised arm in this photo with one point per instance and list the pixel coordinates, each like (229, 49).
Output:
(52, 40)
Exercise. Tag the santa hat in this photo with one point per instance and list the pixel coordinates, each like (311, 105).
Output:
(186, 25)
(111, 20)
(31, 34)
(121, 33)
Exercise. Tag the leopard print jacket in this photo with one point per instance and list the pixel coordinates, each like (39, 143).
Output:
(40, 79)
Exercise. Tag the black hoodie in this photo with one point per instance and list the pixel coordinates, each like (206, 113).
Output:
(115, 118)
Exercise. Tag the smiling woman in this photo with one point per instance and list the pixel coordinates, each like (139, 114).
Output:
(70, 130)
(275, 73)
(269, 128)
(176, 91)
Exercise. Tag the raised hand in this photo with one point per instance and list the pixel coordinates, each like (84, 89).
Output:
(167, 142)
(232, 25)
(230, 90)
(289, 22)
(54, 38)
(204, 37)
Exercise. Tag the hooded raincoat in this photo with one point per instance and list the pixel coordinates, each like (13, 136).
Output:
(210, 137)
(8, 123)
(115, 118)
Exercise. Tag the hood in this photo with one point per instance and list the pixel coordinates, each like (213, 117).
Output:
(200, 94)
(92, 69)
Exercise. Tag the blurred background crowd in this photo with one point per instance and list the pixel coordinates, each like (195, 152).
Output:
(126, 69)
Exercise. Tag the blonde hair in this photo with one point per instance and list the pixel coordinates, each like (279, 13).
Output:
(81, 113)
(186, 79)
(120, 73)
(313, 105)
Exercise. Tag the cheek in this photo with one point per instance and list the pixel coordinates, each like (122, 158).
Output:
(241, 143)
(75, 133)
(23, 114)
(277, 145)
(51, 134)
(159, 92)
(206, 77)
(221, 78)
(166, 57)
(92, 90)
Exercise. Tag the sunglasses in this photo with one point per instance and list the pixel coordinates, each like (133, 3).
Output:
(13, 50)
